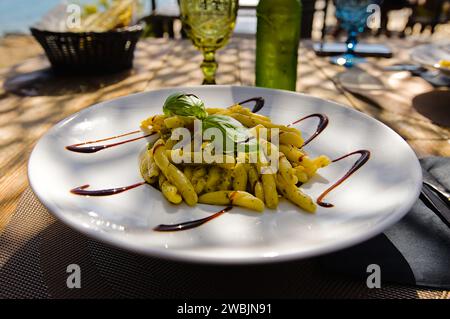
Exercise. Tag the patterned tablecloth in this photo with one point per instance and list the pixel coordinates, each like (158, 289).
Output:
(35, 249)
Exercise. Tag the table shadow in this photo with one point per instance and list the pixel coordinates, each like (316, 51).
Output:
(434, 105)
(108, 272)
(377, 251)
(47, 82)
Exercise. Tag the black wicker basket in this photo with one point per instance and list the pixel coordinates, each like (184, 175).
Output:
(90, 52)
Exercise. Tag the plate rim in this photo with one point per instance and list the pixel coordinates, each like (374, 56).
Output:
(178, 255)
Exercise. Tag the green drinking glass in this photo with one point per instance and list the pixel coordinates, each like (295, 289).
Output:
(209, 24)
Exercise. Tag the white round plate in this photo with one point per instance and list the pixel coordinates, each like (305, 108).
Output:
(372, 199)
(430, 55)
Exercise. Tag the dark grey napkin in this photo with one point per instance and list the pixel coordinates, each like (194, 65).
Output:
(416, 250)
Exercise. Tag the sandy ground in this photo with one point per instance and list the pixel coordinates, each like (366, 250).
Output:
(16, 48)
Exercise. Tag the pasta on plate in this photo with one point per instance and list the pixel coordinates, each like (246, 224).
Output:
(266, 162)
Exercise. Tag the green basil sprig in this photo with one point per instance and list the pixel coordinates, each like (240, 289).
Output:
(233, 132)
(231, 129)
(185, 105)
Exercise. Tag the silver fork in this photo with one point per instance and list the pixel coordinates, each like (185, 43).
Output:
(437, 200)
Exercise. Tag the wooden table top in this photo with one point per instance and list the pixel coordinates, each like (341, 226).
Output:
(32, 99)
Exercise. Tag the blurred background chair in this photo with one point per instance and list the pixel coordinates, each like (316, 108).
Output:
(398, 18)
(429, 14)
(163, 18)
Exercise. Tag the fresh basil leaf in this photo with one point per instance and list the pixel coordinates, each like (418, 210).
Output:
(230, 127)
(232, 130)
(185, 105)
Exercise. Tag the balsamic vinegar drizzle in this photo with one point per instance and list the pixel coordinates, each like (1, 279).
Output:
(259, 104)
(323, 123)
(79, 148)
(81, 190)
(365, 155)
(192, 223)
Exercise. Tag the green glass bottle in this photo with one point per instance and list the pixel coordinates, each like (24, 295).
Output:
(277, 40)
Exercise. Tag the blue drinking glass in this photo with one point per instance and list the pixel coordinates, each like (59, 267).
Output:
(353, 16)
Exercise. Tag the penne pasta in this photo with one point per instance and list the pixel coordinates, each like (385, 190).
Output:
(236, 198)
(173, 174)
(270, 190)
(212, 179)
(293, 154)
(240, 177)
(295, 195)
(179, 157)
(252, 121)
(255, 184)
(285, 169)
(290, 138)
(267, 162)
(169, 191)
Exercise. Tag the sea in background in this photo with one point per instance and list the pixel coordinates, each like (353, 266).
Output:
(16, 16)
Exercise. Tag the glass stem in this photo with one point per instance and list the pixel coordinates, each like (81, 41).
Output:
(351, 42)
(209, 67)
